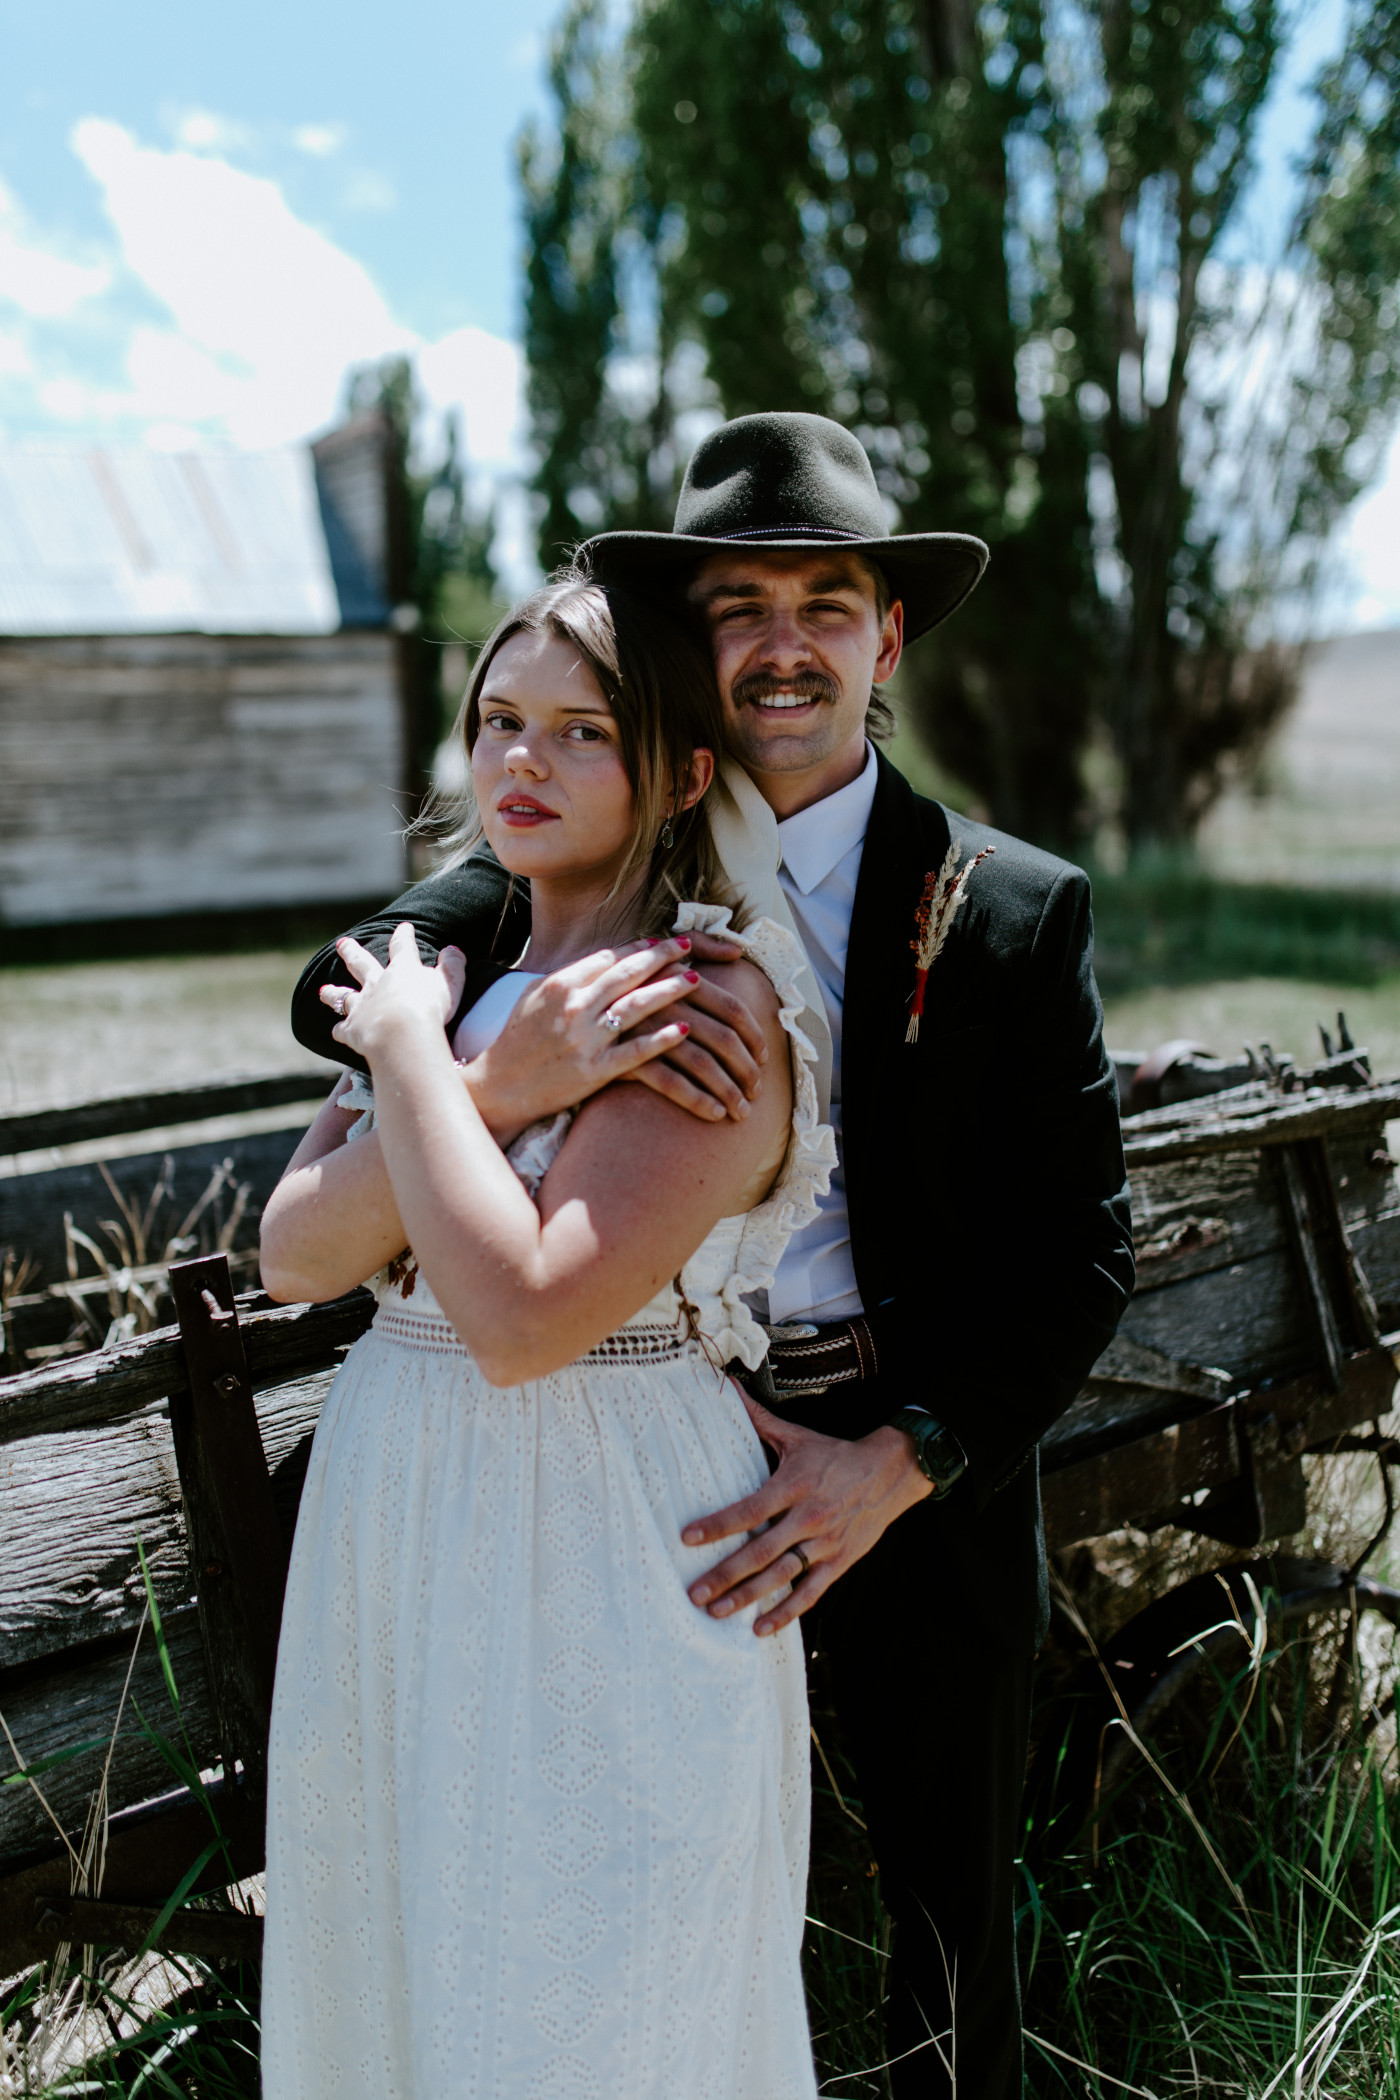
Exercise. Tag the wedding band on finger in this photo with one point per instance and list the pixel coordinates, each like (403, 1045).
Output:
(801, 1553)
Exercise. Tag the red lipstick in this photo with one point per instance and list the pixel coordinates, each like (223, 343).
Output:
(522, 812)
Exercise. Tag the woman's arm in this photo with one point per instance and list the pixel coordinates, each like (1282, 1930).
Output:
(474, 905)
(333, 1219)
(710, 1071)
(636, 1188)
(331, 1222)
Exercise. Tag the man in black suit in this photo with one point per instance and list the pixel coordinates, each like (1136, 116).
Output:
(975, 1255)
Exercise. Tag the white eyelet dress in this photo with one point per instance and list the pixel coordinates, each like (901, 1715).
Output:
(537, 1827)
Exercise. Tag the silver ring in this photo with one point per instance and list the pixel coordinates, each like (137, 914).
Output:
(801, 1553)
(612, 1022)
(342, 1001)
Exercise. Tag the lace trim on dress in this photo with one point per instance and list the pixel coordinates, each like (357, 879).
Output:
(358, 1096)
(432, 1332)
(795, 1197)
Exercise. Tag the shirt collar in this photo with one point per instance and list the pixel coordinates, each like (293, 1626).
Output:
(817, 839)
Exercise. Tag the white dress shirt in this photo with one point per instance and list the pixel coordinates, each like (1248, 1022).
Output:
(816, 1277)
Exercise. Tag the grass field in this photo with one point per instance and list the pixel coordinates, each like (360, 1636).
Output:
(1176, 955)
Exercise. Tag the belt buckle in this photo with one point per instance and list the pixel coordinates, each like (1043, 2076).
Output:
(798, 1330)
(793, 1331)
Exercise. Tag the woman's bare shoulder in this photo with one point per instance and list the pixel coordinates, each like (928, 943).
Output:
(626, 1127)
(745, 980)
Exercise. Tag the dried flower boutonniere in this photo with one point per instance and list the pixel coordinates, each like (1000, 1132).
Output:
(938, 907)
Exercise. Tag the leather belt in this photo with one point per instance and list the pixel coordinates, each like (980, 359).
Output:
(805, 1359)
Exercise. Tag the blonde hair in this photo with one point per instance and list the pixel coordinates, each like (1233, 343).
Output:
(658, 679)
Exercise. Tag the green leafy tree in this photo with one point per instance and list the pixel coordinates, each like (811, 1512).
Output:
(592, 234)
(995, 242)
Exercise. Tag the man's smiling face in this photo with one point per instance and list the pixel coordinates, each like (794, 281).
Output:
(799, 640)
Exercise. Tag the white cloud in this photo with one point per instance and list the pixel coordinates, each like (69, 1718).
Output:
(320, 141)
(205, 131)
(368, 191)
(257, 319)
(481, 377)
(41, 281)
(276, 310)
(1370, 552)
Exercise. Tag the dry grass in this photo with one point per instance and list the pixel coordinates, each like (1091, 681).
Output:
(128, 1289)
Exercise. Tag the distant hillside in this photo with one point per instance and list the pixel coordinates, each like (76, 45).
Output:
(1332, 813)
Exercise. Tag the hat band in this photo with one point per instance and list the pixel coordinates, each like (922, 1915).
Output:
(785, 532)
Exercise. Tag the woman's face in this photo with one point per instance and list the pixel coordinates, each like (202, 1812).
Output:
(547, 766)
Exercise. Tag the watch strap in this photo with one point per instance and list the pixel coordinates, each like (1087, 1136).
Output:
(940, 1457)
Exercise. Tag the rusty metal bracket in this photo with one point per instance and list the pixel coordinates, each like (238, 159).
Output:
(237, 1552)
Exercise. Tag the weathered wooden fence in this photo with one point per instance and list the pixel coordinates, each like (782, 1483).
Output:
(1264, 1327)
(194, 1440)
(223, 1180)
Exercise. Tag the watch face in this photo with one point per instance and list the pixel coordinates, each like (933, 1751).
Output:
(940, 1456)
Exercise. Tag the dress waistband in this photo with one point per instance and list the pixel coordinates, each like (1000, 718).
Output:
(433, 1333)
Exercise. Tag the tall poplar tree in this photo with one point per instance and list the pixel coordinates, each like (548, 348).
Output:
(995, 242)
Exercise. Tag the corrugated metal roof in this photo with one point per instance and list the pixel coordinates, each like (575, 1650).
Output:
(117, 540)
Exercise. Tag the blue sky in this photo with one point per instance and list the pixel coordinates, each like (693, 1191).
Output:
(208, 213)
(405, 116)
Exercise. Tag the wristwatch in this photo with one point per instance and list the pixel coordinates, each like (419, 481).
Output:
(941, 1458)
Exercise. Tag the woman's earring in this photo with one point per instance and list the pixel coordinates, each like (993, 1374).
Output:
(668, 836)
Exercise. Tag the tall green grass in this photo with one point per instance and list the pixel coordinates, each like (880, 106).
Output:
(1269, 1968)
(1173, 924)
(1234, 1934)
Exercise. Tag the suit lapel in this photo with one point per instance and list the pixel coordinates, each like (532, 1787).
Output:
(878, 1068)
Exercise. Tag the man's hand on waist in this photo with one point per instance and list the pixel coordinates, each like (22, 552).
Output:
(832, 1498)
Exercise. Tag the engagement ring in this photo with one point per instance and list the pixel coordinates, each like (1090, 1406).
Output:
(612, 1021)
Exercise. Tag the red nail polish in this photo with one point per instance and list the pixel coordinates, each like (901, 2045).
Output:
(691, 976)
(654, 940)
(684, 1027)
(683, 940)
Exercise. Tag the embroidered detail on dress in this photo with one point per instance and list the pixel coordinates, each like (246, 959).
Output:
(433, 1333)
(638, 1345)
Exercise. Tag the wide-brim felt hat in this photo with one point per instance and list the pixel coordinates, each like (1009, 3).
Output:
(793, 481)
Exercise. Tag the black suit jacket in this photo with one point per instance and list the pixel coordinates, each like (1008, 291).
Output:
(988, 1199)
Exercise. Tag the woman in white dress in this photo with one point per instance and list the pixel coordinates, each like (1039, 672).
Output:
(537, 1826)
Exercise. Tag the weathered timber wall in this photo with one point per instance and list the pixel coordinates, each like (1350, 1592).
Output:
(166, 774)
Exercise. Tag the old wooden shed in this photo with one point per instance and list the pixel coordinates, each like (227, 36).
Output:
(203, 689)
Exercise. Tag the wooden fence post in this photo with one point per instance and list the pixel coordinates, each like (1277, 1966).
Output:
(238, 1555)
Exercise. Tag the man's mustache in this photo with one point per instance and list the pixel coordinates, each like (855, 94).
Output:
(762, 685)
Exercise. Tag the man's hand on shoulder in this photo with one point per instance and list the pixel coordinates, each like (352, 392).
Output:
(642, 1012)
(833, 1499)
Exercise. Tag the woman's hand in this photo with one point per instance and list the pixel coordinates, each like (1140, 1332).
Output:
(637, 1012)
(402, 998)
